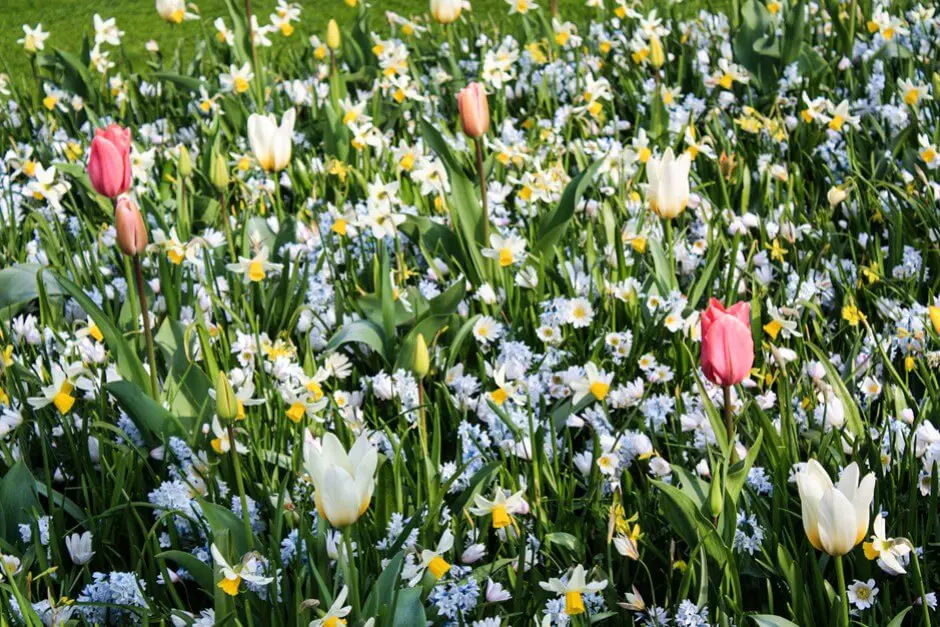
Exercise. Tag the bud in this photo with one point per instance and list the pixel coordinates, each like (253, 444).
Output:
(474, 110)
(226, 405)
(836, 195)
(446, 11)
(218, 172)
(935, 318)
(129, 224)
(657, 54)
(332, 35)
(185, 163)
(422, 360)
(715, 496)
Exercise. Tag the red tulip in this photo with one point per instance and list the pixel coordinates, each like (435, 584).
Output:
(109, 166)
(727, 345)
(129, 224)
(474, 110)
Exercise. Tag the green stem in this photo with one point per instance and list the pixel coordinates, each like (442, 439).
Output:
(843, 595)
(482, 174)
(920, 587)
(729, 420)
(148, 334)
(352, 576)
(241, 486)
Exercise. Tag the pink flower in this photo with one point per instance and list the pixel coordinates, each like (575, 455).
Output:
(727, 345)
(129, 224)
(109, 166)
(474, 110)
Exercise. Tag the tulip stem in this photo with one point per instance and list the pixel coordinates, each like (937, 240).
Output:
(915, 562)
(148, 334)
(249, 536)
(350, 573)
(482, 174)
(843, 596)
(729, 420)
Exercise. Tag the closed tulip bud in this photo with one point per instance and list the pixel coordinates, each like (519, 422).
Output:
(835, 196)
(184, 163)
(657, 54)
(343, 482)
(668, 183)
(727, 345)
(422, 360)
(716, 498)
(218, 172)
(835, 517)
(332, 35)
(226, 404)
(131, 230)
(935, 318)
(474, 110)
(446, 11)
(109, 165)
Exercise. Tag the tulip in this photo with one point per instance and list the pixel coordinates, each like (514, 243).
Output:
(109, 166)
(343, 482)
(332, 35)
(226, 403)
(934, 313)
(271, 143)
(422, 360)
(129, 224)
(727, 345)
(474, 110)
(836, 195)
(668, 183)
(657, 53)
(835, 517)
(446, 11)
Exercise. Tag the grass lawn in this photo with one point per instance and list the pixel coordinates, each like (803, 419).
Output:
(69, 20)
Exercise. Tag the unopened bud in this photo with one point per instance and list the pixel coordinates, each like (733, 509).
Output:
(226, 404)
(129, 224)
(422, 360)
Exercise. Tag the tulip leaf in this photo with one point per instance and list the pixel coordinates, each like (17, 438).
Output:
(152, 419)
(898, 620)
(18, 500)
(553, 226)
(361, 331)
(853, 418)
(202, 573)
(690, 523)
(428, 327)
(129, 365)
(769, 620)
(19, 285)
(566, 541)
(189, 83)
(383, 591)
(737, 474)
(409, 610)
(222, 520)
(186, 385)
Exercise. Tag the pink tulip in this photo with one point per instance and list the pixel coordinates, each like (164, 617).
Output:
(727, 345)
(129, 224)
(109, 166)
(474, 110)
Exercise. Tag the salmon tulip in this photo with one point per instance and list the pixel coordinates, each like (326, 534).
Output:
(727, 345)
(109, 166)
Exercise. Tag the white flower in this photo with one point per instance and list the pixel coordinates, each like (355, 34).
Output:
(232, 576)
(506, 250)
(34, 39)
(256, 268)
(238, 80)
(573, 589)
(272, 143)
(337, 613)
(862, 593)
(888, 551)
(595, 382)
(343, 481)
(668, 176)
(79, 547)
(835, 517)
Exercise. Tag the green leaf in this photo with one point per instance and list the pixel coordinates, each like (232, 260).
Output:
(737, 474)
(663, 273)
(221, 520)
(129, 364)
(18, 287)
(189, 83)
(566, 541)
(383, 591)
(148, 415)
(361, 331)
(409, 610)
(899, 618)
(769, 620)
(18, 500)
(202, 573)
(186, 385)
(853, 418)
(689, 522)
(553, 226)
(428, 327)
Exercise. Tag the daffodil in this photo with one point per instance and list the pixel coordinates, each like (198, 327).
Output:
(432, 561)
(502, 507)
(573, 589)
(594, 382)
(506, 250)
(247, 570)
(255, 269)
(888, 551)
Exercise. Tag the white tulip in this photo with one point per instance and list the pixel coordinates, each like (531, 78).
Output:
(835, 517)
(446, 11)
(668, 183)
(271, 143)
(343, 481)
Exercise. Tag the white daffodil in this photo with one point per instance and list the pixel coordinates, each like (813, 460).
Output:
(256, 268)
(271, 143)
(343, 482)
(595, 382)
(502, 507)
(506, 250)
(246, 570)
(336, 615)
(573, 589)
(222, 444)
(432, 561)
(888, 551)
(835, 517)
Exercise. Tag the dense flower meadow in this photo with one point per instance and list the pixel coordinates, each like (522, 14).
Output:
(475, 320)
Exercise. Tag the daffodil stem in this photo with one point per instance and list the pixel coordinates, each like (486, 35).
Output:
(915, 562)
(843, 595)
(148, 333)
(352, 576)
(482, 174)
(246, 519)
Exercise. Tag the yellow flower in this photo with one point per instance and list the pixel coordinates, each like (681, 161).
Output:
(852, 315)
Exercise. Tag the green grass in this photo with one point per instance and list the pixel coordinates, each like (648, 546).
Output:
(69, 20)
